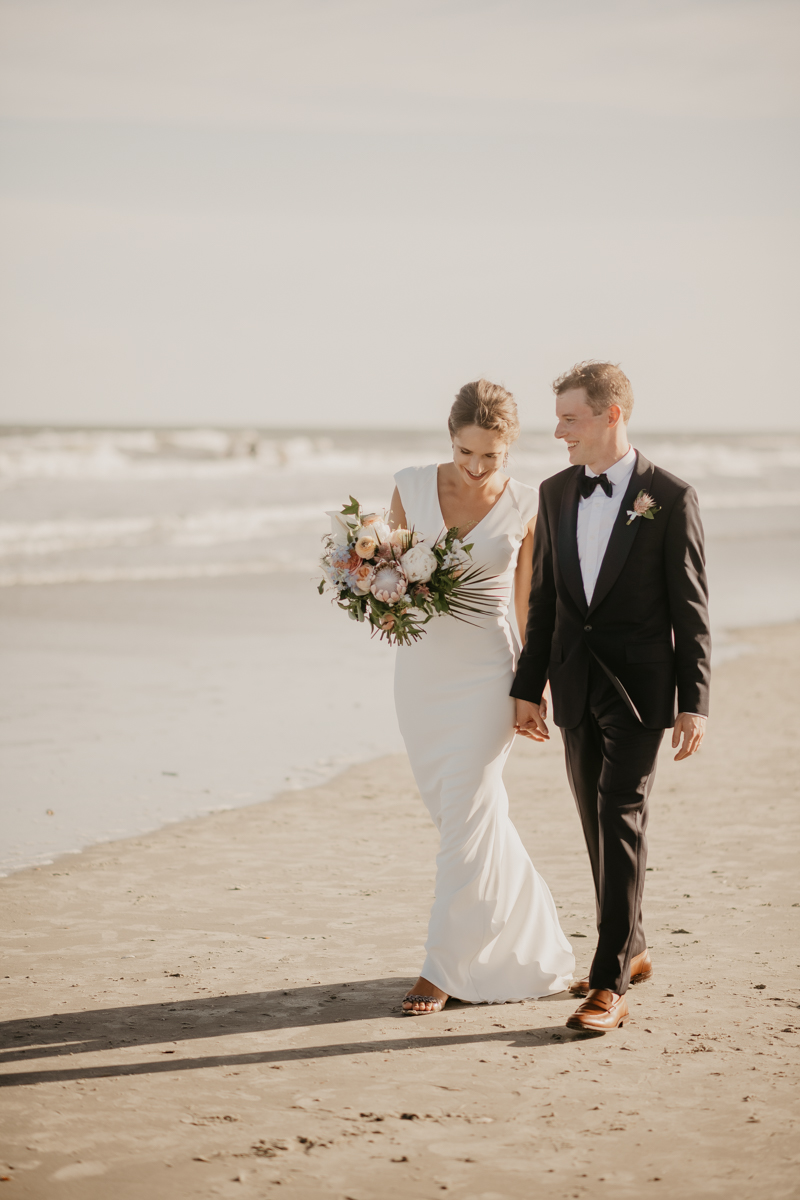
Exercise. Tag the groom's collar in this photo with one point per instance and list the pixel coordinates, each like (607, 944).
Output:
(620, 470)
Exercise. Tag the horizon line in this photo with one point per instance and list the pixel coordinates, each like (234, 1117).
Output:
(19, 427)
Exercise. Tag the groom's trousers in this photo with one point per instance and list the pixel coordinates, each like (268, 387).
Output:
(611, 764)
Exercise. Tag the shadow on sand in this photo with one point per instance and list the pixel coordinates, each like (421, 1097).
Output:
(63, 1035)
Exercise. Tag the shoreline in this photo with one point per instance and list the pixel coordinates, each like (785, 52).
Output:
(128, 707)
(133, 706)
(212, 1009)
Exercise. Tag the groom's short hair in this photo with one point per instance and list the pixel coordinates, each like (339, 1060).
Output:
(604, 383)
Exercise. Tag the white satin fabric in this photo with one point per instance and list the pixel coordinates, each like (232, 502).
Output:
(494, 934)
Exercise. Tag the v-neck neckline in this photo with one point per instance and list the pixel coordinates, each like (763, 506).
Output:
(485, 515)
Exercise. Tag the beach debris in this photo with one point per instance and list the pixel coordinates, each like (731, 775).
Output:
(683, 931)
(206, 1120)
(309, 1143)
(409, 1116)
(403, 1158)
(273, 1149)
(49, 812)
(759, 987)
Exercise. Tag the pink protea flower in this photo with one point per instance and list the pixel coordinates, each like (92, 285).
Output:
(643, 506)
(387, 622)
(389, 582)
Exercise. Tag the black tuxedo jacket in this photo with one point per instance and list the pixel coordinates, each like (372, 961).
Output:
(647, 624)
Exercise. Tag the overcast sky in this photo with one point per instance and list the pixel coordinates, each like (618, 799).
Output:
(321, 212)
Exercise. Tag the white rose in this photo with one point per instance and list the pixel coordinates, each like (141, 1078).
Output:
(339, 530)
(376, 526)
(419, 563)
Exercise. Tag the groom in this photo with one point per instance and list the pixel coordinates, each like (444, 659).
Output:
(618, 622)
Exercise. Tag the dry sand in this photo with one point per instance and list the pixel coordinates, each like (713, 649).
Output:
(212, 1009)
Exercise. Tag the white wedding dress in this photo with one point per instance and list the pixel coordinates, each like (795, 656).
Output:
(494, 933)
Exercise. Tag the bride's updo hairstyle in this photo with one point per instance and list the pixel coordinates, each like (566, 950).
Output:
(487, 405)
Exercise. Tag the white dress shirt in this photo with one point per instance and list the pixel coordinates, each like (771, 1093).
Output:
(596, 516)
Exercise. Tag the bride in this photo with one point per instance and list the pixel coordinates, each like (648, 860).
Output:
(493, 934)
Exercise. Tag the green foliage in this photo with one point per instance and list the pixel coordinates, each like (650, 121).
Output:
(456, 588)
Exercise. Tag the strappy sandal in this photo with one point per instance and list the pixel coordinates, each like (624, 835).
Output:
(425, 1012)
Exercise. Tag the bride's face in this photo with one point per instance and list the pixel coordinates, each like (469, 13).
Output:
(478, 454)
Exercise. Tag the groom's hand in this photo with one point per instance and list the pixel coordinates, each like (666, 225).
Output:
(530, 720)
(692, 729)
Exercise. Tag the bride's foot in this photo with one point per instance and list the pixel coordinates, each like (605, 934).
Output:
(424, 997)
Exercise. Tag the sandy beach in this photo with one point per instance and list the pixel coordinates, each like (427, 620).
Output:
(213, 1009)
(255, 254)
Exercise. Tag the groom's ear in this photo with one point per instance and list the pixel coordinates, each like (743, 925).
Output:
(614, 414)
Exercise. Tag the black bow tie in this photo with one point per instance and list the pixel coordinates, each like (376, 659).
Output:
(590, 482)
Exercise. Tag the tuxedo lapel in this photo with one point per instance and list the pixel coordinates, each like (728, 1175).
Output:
(623, 534)
(568, 560)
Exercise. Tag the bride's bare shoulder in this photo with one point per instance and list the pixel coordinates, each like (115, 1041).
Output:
(446, 474)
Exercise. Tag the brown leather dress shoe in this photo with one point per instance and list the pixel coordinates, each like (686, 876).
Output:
(601, 1011)
(641, 969)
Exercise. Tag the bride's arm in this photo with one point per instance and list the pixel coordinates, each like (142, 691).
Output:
(522, 581)
(397, 516)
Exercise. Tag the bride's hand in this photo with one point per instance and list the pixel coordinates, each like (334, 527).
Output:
(530, 720)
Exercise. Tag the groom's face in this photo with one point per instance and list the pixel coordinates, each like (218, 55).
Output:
(587, 434)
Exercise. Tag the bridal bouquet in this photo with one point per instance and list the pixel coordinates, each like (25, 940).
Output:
(396, 580)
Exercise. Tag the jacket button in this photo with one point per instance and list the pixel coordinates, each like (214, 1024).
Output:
(588, 628)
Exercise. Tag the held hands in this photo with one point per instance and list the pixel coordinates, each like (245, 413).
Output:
(692, 729)
(530, 720)
(531, 723)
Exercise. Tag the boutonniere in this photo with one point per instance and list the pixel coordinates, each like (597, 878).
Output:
(643, 506)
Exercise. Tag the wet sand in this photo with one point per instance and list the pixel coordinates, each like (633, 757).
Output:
(213, 1009)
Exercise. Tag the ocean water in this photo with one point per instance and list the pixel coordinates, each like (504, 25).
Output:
(100, 506)
(166, 652)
